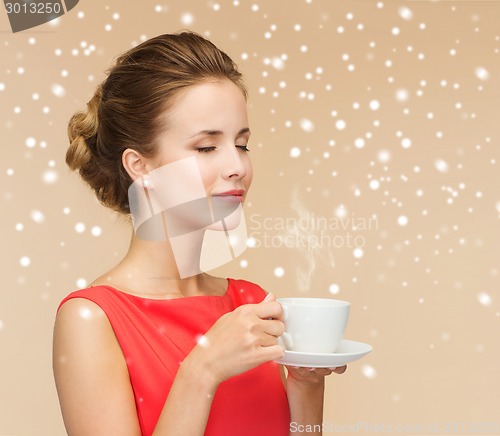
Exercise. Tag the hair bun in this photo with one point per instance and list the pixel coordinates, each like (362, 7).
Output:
(82, 133)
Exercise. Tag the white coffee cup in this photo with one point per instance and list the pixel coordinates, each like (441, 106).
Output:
(313, 325)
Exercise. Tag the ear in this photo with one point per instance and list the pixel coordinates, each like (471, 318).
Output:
(134, 163)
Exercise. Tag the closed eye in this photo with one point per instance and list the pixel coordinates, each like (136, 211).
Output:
(243, 147)
(205, 149)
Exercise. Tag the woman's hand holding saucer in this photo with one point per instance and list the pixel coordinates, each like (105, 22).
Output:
(312, 375)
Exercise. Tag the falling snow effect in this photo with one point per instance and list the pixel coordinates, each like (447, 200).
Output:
(85, 313)
(482, 73)
(484, 298)
(402, 95)
(441, 165)
(25, 261)
(396, 120)
(37, 216)
(295, 152)
(384, 156)
(187, 19)
(334, 289)
(80, 228)
(406, 143)
(279, 271)
(405, 13)
(340, 124)
(251, 242)
(306, 125)
(369, 371)
(96, 231)
(58, 90)
(359, 143)
(50, 177)
(402, 220)
(203, 341)
(81, 283)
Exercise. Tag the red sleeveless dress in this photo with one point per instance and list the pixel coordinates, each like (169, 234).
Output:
(156, 335)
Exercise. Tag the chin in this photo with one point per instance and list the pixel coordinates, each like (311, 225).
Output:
(232, 219)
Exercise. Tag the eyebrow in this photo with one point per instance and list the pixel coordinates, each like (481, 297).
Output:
(219, 132)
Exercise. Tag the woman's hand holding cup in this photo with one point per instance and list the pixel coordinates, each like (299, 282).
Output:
(241, 340)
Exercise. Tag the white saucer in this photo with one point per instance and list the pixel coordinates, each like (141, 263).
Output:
(348, 351)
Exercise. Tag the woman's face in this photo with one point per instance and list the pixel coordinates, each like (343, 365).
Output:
(209, 122)
(202, 155)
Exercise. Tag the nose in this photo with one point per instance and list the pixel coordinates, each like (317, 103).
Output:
(234, 163)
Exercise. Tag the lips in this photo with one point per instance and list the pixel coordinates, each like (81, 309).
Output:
(235, 195)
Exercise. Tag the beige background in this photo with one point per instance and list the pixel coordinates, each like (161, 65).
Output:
(424, 294)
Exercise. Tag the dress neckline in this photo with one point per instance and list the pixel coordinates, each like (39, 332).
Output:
(128, 294)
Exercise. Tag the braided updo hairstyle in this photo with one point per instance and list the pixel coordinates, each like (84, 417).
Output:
(128, 108)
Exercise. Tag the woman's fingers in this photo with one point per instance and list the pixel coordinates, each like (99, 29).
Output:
(323, 372)
(328, 371)
(272, 352)
(339, 370)
(270, 330)
(273, 327)
(269, 309)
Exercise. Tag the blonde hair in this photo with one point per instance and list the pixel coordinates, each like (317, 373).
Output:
(126, 109)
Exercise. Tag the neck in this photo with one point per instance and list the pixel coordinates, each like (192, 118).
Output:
(162, 268)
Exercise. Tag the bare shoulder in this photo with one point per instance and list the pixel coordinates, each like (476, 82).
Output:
(77, 310)
(80, 321)
(91, 373)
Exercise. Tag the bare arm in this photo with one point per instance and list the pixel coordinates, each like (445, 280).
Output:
(305, 389)
(188, 404)
(91, 374)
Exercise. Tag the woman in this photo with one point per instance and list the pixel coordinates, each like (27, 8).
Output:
(155, 346)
